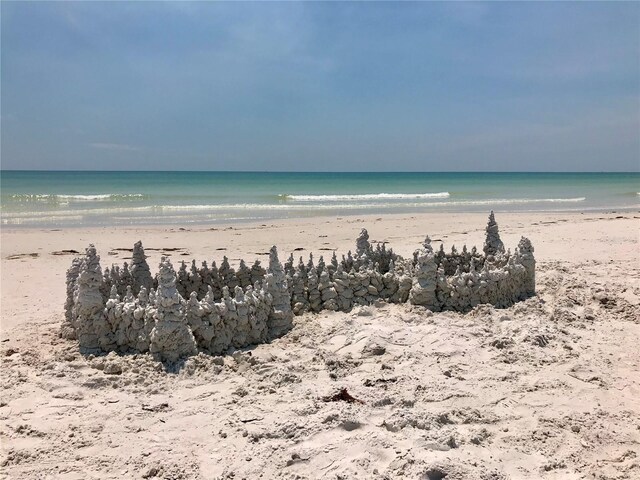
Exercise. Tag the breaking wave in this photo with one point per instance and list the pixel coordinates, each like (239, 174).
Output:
(362, 196)
(61, 198)
(353, 206)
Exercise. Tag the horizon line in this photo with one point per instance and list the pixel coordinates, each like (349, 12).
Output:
(317, 171)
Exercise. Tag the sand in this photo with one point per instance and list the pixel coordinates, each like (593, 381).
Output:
(549, 388)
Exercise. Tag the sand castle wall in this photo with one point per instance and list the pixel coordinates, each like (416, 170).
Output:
(213, 309)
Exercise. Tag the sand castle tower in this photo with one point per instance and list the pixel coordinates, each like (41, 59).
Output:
(92, 327)
(363, 247)
(492, 244)
(299, 296)
(257, 272)
(140, 269)
(315, 300)
(423, 290)
(244, 275)
(67, 329)
(525, 251)
(281, 317)
(171, 337)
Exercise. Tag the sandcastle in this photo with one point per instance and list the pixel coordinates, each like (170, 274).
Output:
(212, 310)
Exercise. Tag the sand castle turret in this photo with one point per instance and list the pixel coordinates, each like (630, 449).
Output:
(68, 328)
(315, 300)
(363, 247)
(140, 272)
(243, 325)
(194, 312)
(281, 316)
(195, 283)
(423, 291)
(347, 262)
(216, 281)
(258, 314)
(299, 296)
(205, 275)
(321, 265)
(257, 272)
(288, 265)
(333, 265)
(228, 274)
(125, 280)
(492, 244)
(220, 336)
(92, 328)
(182, 283)
(171, 337)
(525, 251)
(244, 275)
(141, 323)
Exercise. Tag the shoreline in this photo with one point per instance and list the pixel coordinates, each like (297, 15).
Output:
(625, 209)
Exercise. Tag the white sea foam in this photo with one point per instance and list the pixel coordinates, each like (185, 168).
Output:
(362, 196)
(111, 196)
(350, 206)
(164, 209)
(76, 198)
(514, 201)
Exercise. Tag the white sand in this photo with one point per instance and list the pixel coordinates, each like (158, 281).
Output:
(549, 388)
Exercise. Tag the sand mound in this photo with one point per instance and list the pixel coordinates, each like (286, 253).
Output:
(543, 389)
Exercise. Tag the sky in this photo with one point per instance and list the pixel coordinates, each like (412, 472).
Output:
(502, 86)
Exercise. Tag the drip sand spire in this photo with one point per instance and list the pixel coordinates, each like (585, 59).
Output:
(171, 337)
(281, 316)
(93, 331)
(492, 244)
(140, 271)
(363, 247)
(423, 291)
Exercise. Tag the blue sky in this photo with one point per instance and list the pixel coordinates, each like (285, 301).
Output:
(321, 86)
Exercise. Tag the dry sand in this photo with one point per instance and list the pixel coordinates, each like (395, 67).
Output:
(549, 388)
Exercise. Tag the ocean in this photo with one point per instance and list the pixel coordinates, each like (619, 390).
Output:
(75, 198)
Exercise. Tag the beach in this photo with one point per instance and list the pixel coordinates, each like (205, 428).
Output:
(547, 388)
(320, 240)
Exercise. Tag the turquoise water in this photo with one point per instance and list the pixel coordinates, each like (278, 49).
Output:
(54, 199)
